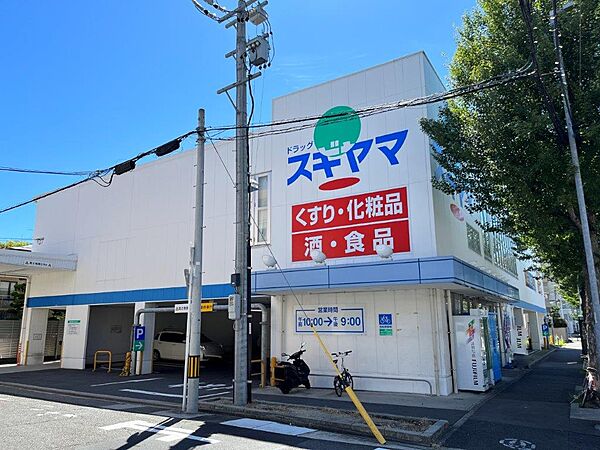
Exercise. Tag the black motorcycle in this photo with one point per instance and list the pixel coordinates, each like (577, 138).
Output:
(293, 372)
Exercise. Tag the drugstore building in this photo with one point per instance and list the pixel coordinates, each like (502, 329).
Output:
(374, 256)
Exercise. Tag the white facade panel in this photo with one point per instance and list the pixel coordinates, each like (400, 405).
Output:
(403, 361)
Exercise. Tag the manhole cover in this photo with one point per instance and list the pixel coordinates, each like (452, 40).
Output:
(517, 443)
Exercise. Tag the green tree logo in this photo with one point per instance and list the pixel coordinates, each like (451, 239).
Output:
(338, 126)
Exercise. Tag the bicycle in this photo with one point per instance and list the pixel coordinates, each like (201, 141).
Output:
(340, 383)
(589, 387)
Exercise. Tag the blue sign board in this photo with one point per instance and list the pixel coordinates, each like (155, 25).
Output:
(385, 324)
(331, 319)
(139, 333)
(545, 330)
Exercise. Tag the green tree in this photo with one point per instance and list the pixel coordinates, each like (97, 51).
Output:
(18, 299)
(507, 146)
(9, 244)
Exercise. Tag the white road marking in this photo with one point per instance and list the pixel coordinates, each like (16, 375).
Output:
(211, 395)
(517, 443)
(217, 388)
(169, 434)
(4, 399)
(124, 382)
(176, 385)
(56, 413)
(164, 394)
(160, 394)
(268, 426)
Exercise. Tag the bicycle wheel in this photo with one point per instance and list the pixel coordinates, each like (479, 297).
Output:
(348, 380)
(338, 386)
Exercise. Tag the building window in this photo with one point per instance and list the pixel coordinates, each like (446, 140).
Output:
(530, 280)
(497, 247)
(487, 237)
(5, 290)
(261, 202)
(461, 304)
(473, 239)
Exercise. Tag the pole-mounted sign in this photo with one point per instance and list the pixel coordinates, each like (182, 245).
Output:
(139, 338)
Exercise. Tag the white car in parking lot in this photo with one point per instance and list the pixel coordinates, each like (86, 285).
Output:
(171, 345)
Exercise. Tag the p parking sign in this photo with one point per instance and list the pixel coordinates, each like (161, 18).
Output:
(139, 338)
(545, 330)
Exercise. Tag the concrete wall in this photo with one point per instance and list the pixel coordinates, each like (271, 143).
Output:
(75, 337)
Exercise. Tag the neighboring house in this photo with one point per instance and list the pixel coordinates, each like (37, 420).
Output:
(444, 312)
(566, 310)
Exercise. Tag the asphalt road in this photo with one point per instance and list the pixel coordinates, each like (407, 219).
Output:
(533, 413)
(64, 422)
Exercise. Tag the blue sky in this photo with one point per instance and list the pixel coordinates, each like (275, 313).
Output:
(85, 85)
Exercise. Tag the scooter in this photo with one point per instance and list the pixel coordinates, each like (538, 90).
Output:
(293, 372)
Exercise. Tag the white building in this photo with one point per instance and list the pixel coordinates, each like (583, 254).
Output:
(341, 187)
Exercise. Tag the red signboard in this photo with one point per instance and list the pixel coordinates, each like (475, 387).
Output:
(351, 226)
(360, 208)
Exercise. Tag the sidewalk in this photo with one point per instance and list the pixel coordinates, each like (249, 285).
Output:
(13, 368)
(535, 409)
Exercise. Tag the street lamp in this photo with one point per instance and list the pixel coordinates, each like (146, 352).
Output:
(318, 256)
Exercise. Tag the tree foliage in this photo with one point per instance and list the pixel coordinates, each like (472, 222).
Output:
(18, 299)
(500, 144)
(9, 244)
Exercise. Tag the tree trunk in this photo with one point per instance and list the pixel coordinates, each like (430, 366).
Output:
(588, 323)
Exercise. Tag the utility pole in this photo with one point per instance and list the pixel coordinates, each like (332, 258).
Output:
(257, 56)
(585, 228)
(241, 390)
(191, 377)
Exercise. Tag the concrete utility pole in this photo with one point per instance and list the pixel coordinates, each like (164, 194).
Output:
(249, 10)
(241, 392)
(195, 291)
(585, 228)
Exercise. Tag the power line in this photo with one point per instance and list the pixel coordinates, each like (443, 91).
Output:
(298, 124)
(117, 169)
(307, 121)
(44, 172)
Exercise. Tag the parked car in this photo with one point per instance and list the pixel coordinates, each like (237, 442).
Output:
(171, 345)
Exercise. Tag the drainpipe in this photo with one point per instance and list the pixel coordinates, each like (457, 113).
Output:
(23, 338)
(435, 336)
(450, 319)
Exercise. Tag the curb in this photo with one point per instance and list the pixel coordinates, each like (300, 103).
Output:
(428, 437)
(541, 358)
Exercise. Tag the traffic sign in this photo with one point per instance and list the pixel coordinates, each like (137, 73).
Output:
(545, 330)
(139, 333)
(139, 338)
